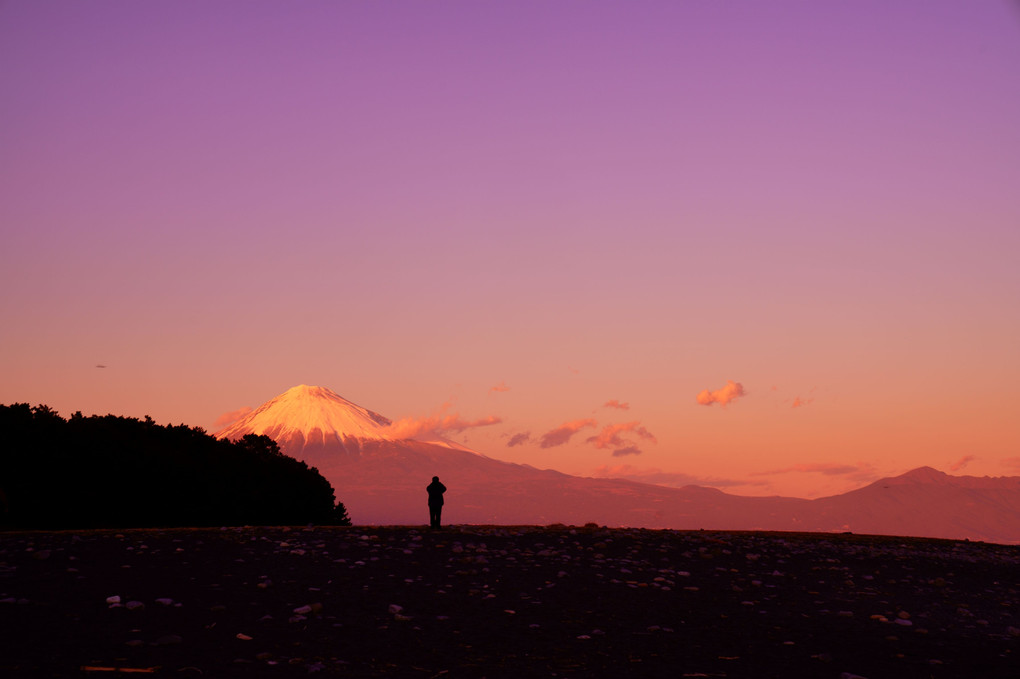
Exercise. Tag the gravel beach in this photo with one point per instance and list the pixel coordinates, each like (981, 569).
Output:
(504, 601)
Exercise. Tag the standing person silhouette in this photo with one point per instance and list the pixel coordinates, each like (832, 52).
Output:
(436, 490)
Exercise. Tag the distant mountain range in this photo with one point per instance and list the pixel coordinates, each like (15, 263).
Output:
(381, 478)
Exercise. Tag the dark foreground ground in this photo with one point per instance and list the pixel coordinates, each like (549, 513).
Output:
(473, 601)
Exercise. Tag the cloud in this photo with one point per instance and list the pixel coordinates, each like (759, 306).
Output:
(562, 433)
(611, 435)
(1013, 462)
(799, 402)
(862, 472)
(501, 387)
(227, 419)
(827, 468)
(962, 462)
(438, 424)
(730, 392)
(613, 403)
(618, 437)
(660, 478)
(519, 439)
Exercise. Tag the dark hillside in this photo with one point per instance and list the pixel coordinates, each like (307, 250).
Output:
(110, 471)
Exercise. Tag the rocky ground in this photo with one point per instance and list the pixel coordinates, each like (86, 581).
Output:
(471, 601)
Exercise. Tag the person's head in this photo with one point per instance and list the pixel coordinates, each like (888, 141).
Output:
(435, 478)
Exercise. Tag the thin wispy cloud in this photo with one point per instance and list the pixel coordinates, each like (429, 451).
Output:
(439, 424)
(800, 402)
(724, 396)
(519, 439)
(227, 419)
(862, 472)
(962, 462)
(563, 433)
(613, 403)
(1011, 462)
(827, 468)
(629, 450)
(499, 388)
(658, 477)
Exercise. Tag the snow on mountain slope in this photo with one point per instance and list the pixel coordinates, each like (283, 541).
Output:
(304, 409)
(305, 419)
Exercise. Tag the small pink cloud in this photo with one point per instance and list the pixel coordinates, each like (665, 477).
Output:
(962, 462)
(227, 419)
(799, 402)
(438, 424)
(617, 437)
(563, 433)
(613, 403)
(732, 390)
(519, 439)
(611, 435)
(501, 387)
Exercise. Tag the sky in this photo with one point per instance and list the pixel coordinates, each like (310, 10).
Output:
(766, 247)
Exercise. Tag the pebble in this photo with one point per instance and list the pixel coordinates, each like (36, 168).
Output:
(169, 640)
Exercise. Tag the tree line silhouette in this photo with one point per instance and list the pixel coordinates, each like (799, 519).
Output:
(120, 472)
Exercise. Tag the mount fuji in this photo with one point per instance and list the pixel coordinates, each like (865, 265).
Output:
(380, 477)
(317, 423)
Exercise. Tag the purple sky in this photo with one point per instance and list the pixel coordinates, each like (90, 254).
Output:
(412, 203)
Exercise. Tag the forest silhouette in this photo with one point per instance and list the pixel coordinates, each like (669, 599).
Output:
(119, 472)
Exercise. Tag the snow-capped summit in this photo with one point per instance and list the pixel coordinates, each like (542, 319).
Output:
(311, 416)
(309, 422)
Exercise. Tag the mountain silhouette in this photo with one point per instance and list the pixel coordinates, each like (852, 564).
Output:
(381, 478)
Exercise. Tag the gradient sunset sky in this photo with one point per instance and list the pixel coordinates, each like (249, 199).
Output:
(772, 247)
